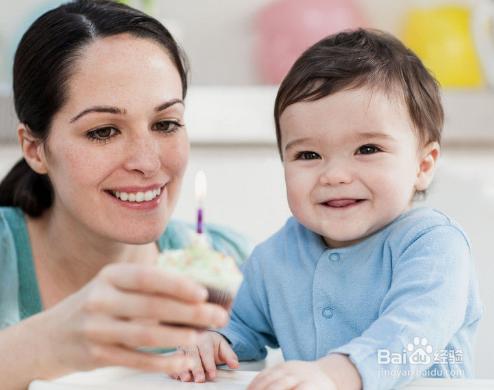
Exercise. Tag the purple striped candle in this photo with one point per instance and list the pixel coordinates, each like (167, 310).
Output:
(199, 221)
(200, 188)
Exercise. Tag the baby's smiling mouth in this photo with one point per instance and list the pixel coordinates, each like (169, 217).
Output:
(342, 202)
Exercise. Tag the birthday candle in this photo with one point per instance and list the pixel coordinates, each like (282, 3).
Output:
(200, 188)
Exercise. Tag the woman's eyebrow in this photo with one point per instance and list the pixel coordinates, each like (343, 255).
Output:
(116, 110)
(110, 109)
(169, 103)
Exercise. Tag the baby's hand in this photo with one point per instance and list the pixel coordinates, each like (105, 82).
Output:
(296, 375)
(211, 350)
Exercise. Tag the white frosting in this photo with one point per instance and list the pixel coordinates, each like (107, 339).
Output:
(203, 264)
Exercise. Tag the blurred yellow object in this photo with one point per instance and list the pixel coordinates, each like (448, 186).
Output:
(441, 36)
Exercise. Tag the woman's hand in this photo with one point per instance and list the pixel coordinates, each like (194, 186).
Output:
(126, 306)
(211, 350)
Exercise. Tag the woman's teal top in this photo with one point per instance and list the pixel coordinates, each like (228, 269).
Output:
(19, 292)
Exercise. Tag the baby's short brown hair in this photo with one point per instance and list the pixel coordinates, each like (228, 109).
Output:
(364, 57)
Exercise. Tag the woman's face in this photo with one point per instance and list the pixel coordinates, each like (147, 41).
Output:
(117, 150)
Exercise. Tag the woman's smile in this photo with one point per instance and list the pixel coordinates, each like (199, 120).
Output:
(144, 199)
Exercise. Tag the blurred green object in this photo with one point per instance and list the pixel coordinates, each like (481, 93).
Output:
(442, 37)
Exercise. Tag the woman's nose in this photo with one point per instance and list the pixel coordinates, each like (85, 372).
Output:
(336, 172)
(143, 155)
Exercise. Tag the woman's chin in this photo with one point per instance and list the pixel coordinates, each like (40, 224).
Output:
(137, 236)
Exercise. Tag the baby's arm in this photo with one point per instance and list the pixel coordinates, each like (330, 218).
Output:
(250, 330)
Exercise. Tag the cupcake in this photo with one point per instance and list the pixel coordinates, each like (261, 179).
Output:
(214, 270)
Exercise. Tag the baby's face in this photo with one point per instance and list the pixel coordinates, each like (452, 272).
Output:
(352, 163)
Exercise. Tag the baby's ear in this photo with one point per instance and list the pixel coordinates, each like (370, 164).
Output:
(32, 150)
(427, 165)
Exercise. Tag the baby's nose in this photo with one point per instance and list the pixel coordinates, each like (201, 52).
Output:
(336, 172)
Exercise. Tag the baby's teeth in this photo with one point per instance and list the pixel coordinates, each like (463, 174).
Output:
(124, 196)
(132, 197)
(148, 195)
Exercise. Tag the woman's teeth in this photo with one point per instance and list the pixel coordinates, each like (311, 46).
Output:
(137, 196)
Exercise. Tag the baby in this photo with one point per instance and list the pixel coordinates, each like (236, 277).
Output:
(358, 289)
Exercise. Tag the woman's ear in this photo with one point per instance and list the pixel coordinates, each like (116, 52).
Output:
(427, 165)
(32, 149)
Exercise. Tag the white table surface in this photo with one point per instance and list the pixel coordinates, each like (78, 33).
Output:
(118, 378)
(125, 379)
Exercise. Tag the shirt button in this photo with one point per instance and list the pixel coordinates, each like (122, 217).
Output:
(334, 256)
(327, 312)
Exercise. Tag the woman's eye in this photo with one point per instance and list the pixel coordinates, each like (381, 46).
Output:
(368, 149)
(167, 126)
(102, 134)
(307, 156)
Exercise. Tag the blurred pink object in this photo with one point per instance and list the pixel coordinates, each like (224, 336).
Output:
(285, 28)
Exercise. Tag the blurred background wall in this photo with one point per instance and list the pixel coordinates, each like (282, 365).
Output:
(221, 36)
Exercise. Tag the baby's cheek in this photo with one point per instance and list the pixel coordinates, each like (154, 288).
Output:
(396, 193)
(297, 199)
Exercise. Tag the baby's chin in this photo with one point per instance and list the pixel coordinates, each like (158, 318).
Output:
(337, 237)
(353, 236)
(341, 242)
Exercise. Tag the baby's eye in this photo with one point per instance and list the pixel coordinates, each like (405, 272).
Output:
(306, 155)
(102, 134)
(167, 126)
(368, 149)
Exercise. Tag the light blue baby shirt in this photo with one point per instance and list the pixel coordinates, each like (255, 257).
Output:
(402, 303)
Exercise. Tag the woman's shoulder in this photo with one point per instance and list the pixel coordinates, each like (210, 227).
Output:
(10, 220)
(13, 230)
(178, 234)
(11, 225)
(11, 214)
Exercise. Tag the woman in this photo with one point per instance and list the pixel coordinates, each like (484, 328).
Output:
(99, 90)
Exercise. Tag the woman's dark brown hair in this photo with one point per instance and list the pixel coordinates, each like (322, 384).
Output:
(43, 64)
(364, 57)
